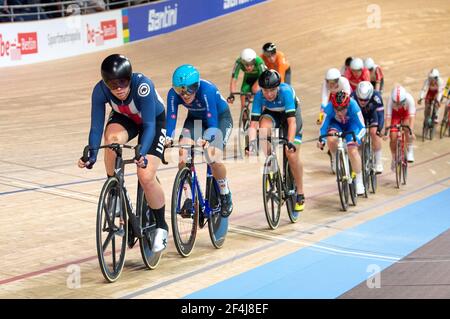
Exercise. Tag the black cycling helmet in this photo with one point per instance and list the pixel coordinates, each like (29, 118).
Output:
(269, 79)
(348, 60)
(116, 66)
(269, 48)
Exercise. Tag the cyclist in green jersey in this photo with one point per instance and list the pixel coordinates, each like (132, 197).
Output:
(252, 66)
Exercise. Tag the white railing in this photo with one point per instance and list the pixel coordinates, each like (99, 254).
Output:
(39, 11)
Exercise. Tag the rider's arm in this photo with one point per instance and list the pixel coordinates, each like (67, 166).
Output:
(325, 95)
(97, 119)
(441, 89)
(289, 107)
(344, 84)
(326, 120)
(234, 76)
(208, 99)
(388, 113)
(378, 78)
(411, 110)
(255, 115)
(357, 117)
(172, 111)
(283, 65)
(379, 111)
(150, 103)
(424, 90)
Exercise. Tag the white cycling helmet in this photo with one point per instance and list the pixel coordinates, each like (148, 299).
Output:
(364, 90)
(357, 64)
(398, 94)
(369, 64)
(248, 55)
(332, 74)
(434, 74)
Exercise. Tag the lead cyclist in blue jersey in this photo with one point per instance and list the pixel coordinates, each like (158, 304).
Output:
(275, 106)
(137, 109)
(208, 114)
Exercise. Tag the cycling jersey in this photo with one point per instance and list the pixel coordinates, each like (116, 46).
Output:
(283, 106)
(400, 112)
(343, 84)
(280, 64)
(207, 106)
(350, 119)
(143, 105)
(373, 111)
(432, 89)
(365, 76)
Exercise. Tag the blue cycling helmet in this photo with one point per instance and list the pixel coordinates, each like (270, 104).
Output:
(186, 79)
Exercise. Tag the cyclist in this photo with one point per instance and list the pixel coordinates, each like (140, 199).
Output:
(356, 73)
(342, 114)
(372, 108)
(401, 109)
(275, 106)
(252, 66)
(208, 113)
(432, 90)
(137, 110)
(332, 83)
(376, 74)
(346, 65)
(275, 59)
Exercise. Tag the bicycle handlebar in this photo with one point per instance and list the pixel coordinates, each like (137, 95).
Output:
(398, 126)
(192, 147)
(249, 94)
(115, 147)
(280, 140)
(338, 134)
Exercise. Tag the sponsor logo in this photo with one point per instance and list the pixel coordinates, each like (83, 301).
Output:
(209, 115)
(54, 39)
(144, 90)
(173, 116)
(162, 19)
(25, 43)
(228, 4)
(106, 31)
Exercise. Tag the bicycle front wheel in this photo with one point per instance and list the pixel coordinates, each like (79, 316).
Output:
(111, 230)
(366, 166)
(444, 124)
(272, 191)
(147, 221)
(424, 130)
(342, 180)
(217, 225)
(184, 213)
(244, 123)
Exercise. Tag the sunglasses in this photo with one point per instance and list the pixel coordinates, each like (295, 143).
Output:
(340, 108)
(186, 90)
(269, 54)
(118, 83)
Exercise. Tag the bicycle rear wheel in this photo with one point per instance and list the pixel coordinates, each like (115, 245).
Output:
(373, 174)
(111, 230)
(217, 225)
(272, 191)
(404, 168)
(398, 163)
(342, 181)
(290, 193)
(148, 223)
(184, 213)
(244, 123)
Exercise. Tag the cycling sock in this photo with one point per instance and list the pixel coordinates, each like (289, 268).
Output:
(223, 185)
(159, 216)
(359, 178)
(378, 157)
(410, 148)
(187, 190)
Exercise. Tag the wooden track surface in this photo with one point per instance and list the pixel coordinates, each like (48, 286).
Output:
(48, 205)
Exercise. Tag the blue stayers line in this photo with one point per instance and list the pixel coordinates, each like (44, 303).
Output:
(313, 272)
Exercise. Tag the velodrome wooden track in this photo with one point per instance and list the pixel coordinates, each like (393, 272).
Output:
(48, 205)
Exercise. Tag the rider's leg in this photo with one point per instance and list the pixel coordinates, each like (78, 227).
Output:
(355, 160)
(287, 76)
(376, 148)
(265, 130)
(408, 139)
(114, 133)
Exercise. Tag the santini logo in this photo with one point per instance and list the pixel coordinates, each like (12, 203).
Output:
(227, 4)
(162, 19)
